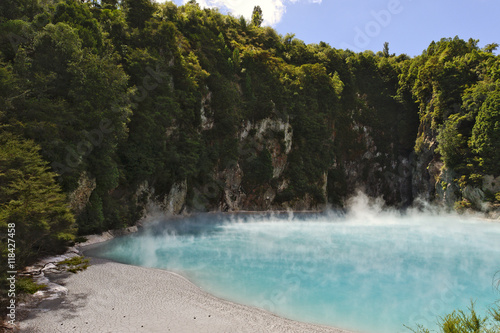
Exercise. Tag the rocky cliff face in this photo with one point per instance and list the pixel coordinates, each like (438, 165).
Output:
(379, 171)
(452, 193)
(433, 181)
(396, 178)
(149, 202)
(238, 193)
(79, 198)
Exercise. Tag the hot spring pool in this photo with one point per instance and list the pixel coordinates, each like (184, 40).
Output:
(369, 273)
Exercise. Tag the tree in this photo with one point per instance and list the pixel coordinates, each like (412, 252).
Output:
(31, 202)
(490, 48)
(385, 51)
(14, 9)
(257, 16)
(111, 4)
(138, 12)
(453, 143)
(486, 133)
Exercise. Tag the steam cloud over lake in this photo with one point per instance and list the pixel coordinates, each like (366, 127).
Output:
(368, 270)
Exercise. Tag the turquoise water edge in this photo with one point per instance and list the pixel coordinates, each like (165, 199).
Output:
(370, 273)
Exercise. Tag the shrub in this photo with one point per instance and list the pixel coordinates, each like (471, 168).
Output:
(75, 264)
(466, 322)
(28, 286)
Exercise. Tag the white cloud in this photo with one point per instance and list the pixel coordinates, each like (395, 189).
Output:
(273, 10)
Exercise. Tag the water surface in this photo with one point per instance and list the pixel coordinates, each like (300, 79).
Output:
(371, 272)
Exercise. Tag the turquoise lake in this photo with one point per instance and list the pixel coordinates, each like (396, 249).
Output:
(369, 272)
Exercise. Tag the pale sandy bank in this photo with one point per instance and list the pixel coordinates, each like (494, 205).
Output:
(112, 297)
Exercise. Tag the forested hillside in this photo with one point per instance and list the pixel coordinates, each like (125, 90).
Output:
(108, 108)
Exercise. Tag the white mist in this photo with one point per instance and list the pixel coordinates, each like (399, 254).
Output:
(369, 270)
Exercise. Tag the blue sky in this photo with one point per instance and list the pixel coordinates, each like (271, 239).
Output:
(408, 25)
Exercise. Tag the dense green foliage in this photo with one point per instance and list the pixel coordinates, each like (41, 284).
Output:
(35, 219)
(456, 85)
(135, 92)
(32, 204)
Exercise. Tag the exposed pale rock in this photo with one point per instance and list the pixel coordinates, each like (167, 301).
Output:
(207, 122)
(175, 200)
(79, 198)
(490, 183)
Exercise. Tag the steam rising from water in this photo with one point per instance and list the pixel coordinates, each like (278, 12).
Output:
(369, 269)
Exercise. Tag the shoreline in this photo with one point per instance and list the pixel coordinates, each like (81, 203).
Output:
(39, 310)
(113, 297)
